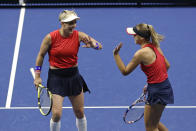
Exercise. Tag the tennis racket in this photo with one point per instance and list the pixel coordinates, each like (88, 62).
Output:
(136, 111)
(44, 97)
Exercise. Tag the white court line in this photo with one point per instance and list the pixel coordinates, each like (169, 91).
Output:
(98, 107)
(15, 58)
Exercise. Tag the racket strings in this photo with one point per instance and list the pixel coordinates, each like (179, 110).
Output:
(45, 101)
(135, 113)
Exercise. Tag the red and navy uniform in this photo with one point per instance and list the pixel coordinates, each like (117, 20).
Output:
(159, 88)
(65, 81)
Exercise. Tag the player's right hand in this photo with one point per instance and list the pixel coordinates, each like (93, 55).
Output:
(117, 48)
(37, 81)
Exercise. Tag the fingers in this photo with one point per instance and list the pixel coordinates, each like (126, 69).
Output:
(36, 85)
(88, 42)
(37, 82)
(86, 46)
(117, 48)
(87, 39)
(120, 45)
(145, 89)
(84, 40)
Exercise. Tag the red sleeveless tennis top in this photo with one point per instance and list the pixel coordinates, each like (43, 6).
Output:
(157, 71)
(63, 51)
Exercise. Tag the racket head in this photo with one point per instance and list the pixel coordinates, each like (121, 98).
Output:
(136, 111)
(44, 97)
(44, 100)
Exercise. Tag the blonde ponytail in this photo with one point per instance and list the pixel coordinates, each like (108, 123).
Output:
(155, 37)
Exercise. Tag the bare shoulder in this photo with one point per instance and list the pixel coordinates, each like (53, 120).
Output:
(143, 51)
(139, 53)
(47, 39)
(48, 36)
(145, 54)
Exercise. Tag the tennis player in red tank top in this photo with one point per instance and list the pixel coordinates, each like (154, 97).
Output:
(155, 65)
(64, 78)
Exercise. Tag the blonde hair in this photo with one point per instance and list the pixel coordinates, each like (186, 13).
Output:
(66, 13)
(155, 38)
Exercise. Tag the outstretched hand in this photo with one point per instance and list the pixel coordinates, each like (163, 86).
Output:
(117, 48)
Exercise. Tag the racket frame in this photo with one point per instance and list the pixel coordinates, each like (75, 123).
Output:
(142, 98)
(39, 89)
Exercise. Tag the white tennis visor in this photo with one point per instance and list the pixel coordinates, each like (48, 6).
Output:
(70, 18)
(130, 31)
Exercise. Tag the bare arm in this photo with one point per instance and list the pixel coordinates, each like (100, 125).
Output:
(89, 41)
(40, 57)
(125, 70)
(166, 61)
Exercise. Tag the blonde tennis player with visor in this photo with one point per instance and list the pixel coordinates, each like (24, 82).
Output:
(155, 65)
(64, 79)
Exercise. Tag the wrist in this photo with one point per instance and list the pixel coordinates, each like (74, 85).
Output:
(96, 46)
(38, 69)
(37, 75)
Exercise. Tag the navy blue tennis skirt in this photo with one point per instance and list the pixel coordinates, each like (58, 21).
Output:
(160, 93)
(66, 82)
